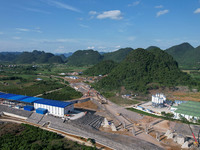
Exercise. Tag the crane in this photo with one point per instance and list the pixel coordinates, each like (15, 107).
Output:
(196, 143)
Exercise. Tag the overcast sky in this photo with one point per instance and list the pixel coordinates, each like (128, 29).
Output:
(60, 26)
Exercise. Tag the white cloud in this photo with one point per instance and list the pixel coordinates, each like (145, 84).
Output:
(16, 38)
(158, 40)
(131, 38)
(22, 29)
(62, 5)
(118, 46)
(197, 11)
(159, 6)
(60, 49)
(37, 10)
(90, 47)
(28, 30)
(83, 26)
(101, 47)
(162, 12)
(92, 13)
(134, 3)
(65, 40)
(112, 14)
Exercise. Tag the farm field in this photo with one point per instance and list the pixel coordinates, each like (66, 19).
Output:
(35, 80)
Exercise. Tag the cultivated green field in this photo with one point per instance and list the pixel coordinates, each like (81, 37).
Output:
(22, 79)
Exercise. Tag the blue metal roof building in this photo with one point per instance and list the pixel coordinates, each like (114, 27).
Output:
(54, 107)
(1, 93)
(53, 103)
(17, 98)
(6, 96)
(30, 99)
(57, 108)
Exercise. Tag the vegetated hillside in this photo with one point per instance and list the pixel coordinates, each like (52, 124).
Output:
(63, 57)
(102, 68)
(27, 137)
(8, 56)
(37, 57)
(152, 47)
(186, 55)
(118, 55)
(84, 57)
(142, 70)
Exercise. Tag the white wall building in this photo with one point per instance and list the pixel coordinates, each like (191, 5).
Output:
(158, 98)
(57, 108)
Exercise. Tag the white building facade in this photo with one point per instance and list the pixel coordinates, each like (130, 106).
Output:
(56, 108)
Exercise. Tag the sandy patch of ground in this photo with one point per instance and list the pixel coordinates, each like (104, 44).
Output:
(162, 126)
(147, 120)
(86, 105)
(185, 96)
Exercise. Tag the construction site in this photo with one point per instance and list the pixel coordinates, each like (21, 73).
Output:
(111, 125)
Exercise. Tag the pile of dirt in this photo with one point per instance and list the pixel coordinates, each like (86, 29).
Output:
(86, 105)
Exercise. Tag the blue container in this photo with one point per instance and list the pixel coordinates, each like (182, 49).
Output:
(41, 111)
(28, 108)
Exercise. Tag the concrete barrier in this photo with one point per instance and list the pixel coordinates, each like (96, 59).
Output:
(13, 115)
(180, 140)
(168, 133)
(171, 136)
(185, 145)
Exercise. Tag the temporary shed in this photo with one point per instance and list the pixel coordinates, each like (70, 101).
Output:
(57, 108)
(41, 111)
(28, 108)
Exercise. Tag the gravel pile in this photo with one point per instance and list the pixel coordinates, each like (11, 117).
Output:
(35, 118)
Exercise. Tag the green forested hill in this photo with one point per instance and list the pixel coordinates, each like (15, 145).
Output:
(102, 68)
(141, 68)
(84, 57)
(152, 47)
(8, 56)
(118, 55)
(37, 57)
(186, 55)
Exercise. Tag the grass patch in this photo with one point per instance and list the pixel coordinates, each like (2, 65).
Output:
(34, 89)
(67, 93)
(108, 94)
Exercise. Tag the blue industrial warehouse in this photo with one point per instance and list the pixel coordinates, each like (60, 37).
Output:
(42, 106)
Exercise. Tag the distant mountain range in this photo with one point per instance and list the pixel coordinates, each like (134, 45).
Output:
(30, 57)
(91, 57)
(186, 55)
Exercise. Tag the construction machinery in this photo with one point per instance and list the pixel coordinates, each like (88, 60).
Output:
(196, 143)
